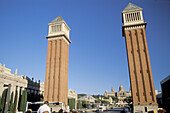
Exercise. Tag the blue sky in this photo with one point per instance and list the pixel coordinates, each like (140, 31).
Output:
(97, 55)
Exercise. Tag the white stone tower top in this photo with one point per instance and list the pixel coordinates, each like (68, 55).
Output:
(57, 28)
(132, 17)
(132, 14)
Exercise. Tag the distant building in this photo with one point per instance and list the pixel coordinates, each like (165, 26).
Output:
(165, 84)
(72, 94)
(121, 94)
(159, 98)
(106, 94)
(19, 83)
(87, 98)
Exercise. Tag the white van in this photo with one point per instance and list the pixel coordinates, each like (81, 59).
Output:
(34, 106)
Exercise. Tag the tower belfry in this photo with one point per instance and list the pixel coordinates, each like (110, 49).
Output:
(56, 79)
(142, 86)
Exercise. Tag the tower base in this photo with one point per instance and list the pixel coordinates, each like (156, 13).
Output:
(144, 108)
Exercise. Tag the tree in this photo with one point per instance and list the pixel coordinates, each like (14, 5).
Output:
(93, 105)
(115, 99)
(15, 102)
(23, 101)
(71, 103)
(0, 102)
(41, 97)
(85, 104)
(10, 102)
(79, 105)
(129, 99)
(105, 102)
(3, 98)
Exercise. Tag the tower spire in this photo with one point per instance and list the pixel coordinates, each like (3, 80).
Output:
(132, 7)
(58, 19)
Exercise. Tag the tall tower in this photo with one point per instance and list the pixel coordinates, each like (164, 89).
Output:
(143, 91)
(56, 79)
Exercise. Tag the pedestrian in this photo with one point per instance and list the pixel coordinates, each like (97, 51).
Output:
(29, 111)
(60, 111)
(44, 108)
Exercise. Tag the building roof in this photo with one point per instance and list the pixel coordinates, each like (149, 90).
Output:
(131, 6)
(121, 87)
(58, 19)
(87, 97)
(165, 79)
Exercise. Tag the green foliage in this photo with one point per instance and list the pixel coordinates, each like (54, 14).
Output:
(15, 102)
(3, 98)
(71, 103)
(10, 102)
(95, 96)
(129, 99)
(79, 105)
(85, 104)
(105, 102)
(0, 104)
(41, 97)
(97, 101)
(93, 105)
(115, 99)
(105, 97)
(23, 101)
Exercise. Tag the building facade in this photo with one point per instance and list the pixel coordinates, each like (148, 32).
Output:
(19, 83)
(165, 83)
(143, 91)
(72, 95)
(121, 94)
(56, 78)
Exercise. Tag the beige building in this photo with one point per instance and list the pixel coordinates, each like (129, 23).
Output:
(121, 94)
(133, 29)
(72, 94)
(18, 82)
(106, 94)
(56, 78)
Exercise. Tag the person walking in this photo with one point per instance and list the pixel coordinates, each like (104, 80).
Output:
(44, 108)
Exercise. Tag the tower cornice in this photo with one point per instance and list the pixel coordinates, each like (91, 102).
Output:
(133, 26)
(55, 36)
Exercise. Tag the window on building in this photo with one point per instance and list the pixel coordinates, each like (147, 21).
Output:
(56, 28)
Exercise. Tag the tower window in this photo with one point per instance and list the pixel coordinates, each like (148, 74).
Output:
(130, 17)
(56, 28)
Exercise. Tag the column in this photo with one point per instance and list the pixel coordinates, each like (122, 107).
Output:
(1, 87)
(18, 90)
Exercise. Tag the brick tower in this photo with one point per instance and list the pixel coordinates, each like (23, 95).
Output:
(56, 79)
(143, 91)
